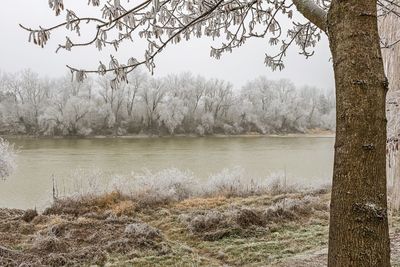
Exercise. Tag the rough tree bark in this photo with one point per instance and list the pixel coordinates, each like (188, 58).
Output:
(389, 29)
(358, 234)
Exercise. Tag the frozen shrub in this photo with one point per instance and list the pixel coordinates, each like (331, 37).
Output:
(247, 217)
(141, 190)
(235, 218)
(54, 259)
(123, 245)
(48, 243)
(142, 230)
(205, 222)
(214, 225)
(315, 203)
(7, 159)
(88, 205)
(278, 185)
(29, 215)
(292, 208)
(125, 193)
(211, 225)
(163, 187)
(81, 182)
(232, 183)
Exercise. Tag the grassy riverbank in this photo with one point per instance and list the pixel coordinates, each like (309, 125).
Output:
(274, 228)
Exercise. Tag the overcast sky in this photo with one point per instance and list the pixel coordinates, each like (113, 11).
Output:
(243, 64)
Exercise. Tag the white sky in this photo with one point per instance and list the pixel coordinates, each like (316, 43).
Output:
(243, 64)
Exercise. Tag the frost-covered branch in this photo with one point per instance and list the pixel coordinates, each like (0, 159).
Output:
(161, 23)
(313, 12)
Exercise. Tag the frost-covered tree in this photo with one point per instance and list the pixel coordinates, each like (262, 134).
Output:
(31, 94)
(113, 97)
(187, 105)
(278, 106)
(359, 184)
(218, 98)
(75, 116)
(152, 96)
(137, 80)
(172, 113)
(7, 159)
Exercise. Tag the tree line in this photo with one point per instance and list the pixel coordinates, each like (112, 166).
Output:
(176, 104)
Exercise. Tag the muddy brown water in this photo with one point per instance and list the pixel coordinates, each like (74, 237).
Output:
(302, 160)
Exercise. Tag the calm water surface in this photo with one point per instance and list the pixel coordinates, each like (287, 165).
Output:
(306, 160)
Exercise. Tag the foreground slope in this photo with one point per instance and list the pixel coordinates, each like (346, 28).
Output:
(289, 229)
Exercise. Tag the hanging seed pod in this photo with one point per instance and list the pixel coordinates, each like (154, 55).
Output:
(102, 69)
(80, 75)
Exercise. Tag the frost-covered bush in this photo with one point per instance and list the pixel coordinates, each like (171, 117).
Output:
(48, 242)
(142, 230)
(146, 187)
(291, 208)
(87, 181)
(204, 222)
(163, 186)
(215, 224)
(277, 185)
(233, 182)
(7, 158)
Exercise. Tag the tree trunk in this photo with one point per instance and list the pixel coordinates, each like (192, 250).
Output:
(390, 35)
(358, 234)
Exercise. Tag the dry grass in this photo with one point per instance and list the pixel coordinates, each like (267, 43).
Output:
(64, 238)
(113, 229)
(241, 219)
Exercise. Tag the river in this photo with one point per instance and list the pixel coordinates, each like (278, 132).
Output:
(302, 160)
